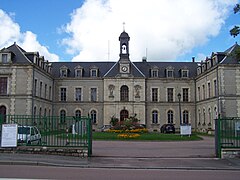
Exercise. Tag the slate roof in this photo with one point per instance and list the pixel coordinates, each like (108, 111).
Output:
(18, 54)
(103, 67)
(230, 55)
(145, 67)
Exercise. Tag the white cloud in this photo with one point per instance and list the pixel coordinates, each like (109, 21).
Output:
(10, 32)
(167, 29)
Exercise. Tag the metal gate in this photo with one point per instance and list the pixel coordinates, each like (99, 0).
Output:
(227, 135)
(52, 131)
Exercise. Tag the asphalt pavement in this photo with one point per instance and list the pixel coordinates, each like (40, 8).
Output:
(197, 155)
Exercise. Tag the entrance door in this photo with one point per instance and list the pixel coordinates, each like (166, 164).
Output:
(2, 114)
(123, 114)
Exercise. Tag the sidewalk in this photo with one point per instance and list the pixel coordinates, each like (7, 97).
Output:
(123, 163)
(135, 155)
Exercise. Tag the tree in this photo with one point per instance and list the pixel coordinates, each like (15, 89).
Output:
(236, 30)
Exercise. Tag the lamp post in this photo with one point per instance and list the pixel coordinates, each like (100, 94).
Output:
(180, 113)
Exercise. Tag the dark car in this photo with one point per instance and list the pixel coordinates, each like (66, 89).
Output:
(167, 128)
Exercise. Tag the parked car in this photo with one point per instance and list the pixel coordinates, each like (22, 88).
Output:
(29, 135)
(167, 128)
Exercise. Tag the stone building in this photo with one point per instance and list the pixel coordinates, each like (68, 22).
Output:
(31, 85)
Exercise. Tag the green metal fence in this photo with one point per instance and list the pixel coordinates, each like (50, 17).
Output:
(227, 134)
(52, 131)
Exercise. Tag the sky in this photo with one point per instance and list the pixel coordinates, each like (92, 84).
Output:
(88, 30)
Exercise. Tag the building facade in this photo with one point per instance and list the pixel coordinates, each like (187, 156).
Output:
(155, 92)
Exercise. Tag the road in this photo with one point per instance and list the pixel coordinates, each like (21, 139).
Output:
(42, 172)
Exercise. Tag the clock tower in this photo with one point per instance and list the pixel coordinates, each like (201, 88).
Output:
(124, 61)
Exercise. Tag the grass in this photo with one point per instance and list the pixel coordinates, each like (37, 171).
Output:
(146, 137)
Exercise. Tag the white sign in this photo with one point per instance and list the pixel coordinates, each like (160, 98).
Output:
(186, 130)
(9, 135)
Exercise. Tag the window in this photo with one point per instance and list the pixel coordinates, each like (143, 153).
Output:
(62, 116)
(184, 73)
(209, 117)
(35, 87)
(4, 58)
(78, 73)
(199, 93)
(63, 73)
(185, 117)
(45, 91)
(154, 94)
(203, 95)
(154, 117)
(170, 94)
(209, 90)
(50, 93)
(78, 94)
(94, 73)
(124, 93)
(170, 117)
(154, 73)
(215, 87)
(63, 92)
(3, 85)
(185, 95)
(93, 94)
(40, 91)
(204, 117)
(93, 115)
(78, 114)
(169, 73)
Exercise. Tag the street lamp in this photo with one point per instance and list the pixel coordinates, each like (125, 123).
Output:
(179, 101)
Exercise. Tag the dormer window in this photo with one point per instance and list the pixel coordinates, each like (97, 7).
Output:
(4, 58)
(199, 70)
(94, 73)
(169, 72)
(78, 72)
(63, 71)
(184, 73)
(154, 71)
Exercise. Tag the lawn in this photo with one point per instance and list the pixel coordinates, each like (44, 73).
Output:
(145, 137)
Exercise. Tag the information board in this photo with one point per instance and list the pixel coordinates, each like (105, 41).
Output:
(9, 135)
(186, 130)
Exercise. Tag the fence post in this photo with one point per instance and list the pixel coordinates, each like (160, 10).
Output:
(218, 137)
(89, 134)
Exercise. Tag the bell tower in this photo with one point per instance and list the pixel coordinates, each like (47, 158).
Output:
(124, 46)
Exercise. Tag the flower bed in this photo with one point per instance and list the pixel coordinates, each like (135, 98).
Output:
(128, 136)
(144, 130)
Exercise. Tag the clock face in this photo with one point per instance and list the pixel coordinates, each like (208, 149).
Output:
(124, 68)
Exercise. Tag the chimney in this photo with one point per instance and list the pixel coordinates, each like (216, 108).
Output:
(193, 59)
(144, 59)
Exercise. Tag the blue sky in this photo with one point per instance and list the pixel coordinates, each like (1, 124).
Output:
(78, 30)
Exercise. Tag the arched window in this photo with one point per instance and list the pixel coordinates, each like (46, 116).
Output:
(93, 115)
(124, 93)
(154, 117)
(209, 117)
(40, 112)
(204, 117)
(170, 117)
(185, 117)
(3, 110)
(45, 112)
(62, 116)
(78, 114)
(123, 114)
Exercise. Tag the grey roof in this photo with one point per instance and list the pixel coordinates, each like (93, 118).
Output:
(146, 67)
(102, 67)
(231, 55)
(18, 54)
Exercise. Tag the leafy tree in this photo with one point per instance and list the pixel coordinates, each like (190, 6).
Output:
(236, 30)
